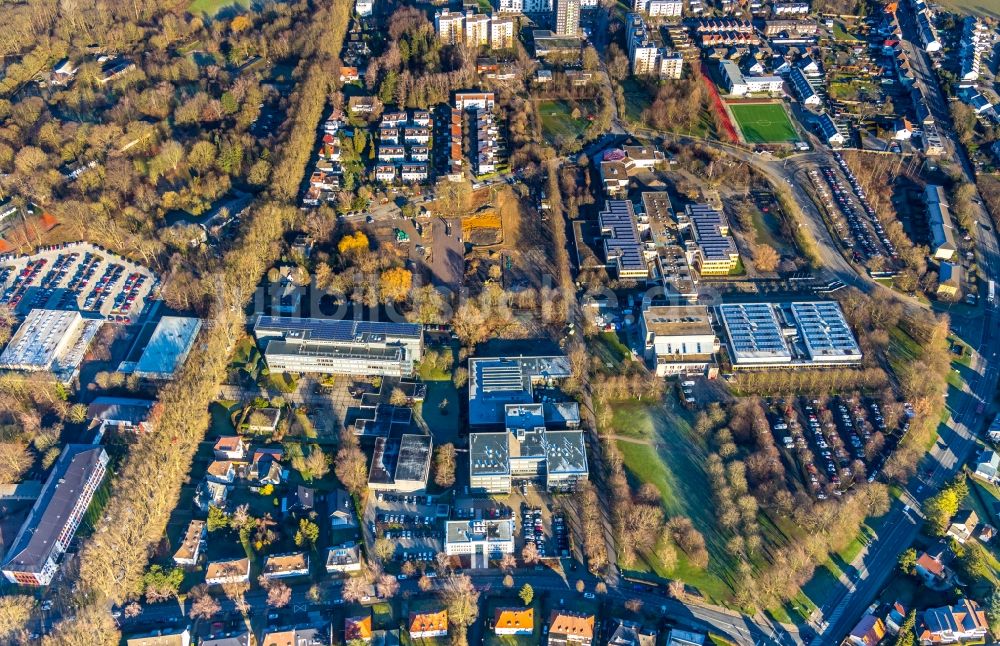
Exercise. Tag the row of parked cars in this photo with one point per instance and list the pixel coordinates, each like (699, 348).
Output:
(869, 211)
(12, 295)
(532, 528)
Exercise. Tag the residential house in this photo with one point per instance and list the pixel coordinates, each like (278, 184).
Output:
(895, 618)
(514, 621)
(280, 566)
(567, 627)
(228, 571)
(341, 507)
(238, 638)
(230, 447)
(988, 466)
(630, 633)
(265, 466)
(300, 499)
(343, 558)
(963, 525)
(221, 471)
(358, 627)
(993, 432)
(165, 637)
(210, 493)
(428, 624)
(959, 624)
(932, 568)
(263, 420)
(320, 635)
(867, 632)
(192, 544)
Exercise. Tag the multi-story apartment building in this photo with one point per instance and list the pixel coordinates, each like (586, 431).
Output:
(648, 58)
(33, 556)
(501, 33)
(567, 17)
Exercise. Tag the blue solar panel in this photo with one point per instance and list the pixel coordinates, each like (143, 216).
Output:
(334, 330)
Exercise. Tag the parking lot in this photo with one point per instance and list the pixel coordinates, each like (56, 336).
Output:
(837, 443)
(415, 523)
(77, 276)
(860, 229)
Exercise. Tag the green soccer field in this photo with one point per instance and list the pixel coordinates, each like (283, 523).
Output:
(763, 123)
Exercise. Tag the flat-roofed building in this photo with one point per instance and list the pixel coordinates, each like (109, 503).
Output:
(614, 176)
(940, 223)
(477, 29)
(450, 26)
(33, 557)
(678, 339)
(810, 334)
(401, 463)
(567, 17)
(168, 347)
(527, 450)
(50, 340)
(484, 537)
(714, 250)
(327, 346)
(623, 249)
(480, 100)
(496, 382)
(501, 33)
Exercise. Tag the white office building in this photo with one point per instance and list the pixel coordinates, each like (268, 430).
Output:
(679, 340)
(480, 538)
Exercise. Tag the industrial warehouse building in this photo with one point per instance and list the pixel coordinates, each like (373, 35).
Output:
(33, 557)
(327, 346)
(808, 334)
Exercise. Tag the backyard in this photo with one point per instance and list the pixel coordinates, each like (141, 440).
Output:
(763, 122)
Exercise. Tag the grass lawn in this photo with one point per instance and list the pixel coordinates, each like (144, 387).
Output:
(557, 119)
(989, 8)
(673, 460)
(637, 99)
(840, 33)
(212, 7)
(768, 231)
(221, 414)
(763, 122)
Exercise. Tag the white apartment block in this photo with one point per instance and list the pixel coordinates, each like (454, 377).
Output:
(479, 537)
(364, 8)
(450, 26)
(510, 6)
(648, 58)
(502, 33)
(477, 29)
(659, 8)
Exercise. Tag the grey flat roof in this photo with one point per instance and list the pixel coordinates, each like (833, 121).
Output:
(466, 531)
(414, 458)
(168, 347)
(276, 347)
(496, 382)
(489, 454)
(565, 452)
(334, 331)
(119, 409)
(63, 488)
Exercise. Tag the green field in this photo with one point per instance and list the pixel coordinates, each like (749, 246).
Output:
(557, 119)
(763, 123)
(212, 7)
(988, 8)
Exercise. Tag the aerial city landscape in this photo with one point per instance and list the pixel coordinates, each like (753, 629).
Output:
(504, 322)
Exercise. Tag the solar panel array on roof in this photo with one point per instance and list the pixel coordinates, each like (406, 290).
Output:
(334, 330)
(708, 224)
(824, 331)
(754, 332)
(501, 377)
(621, 236)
